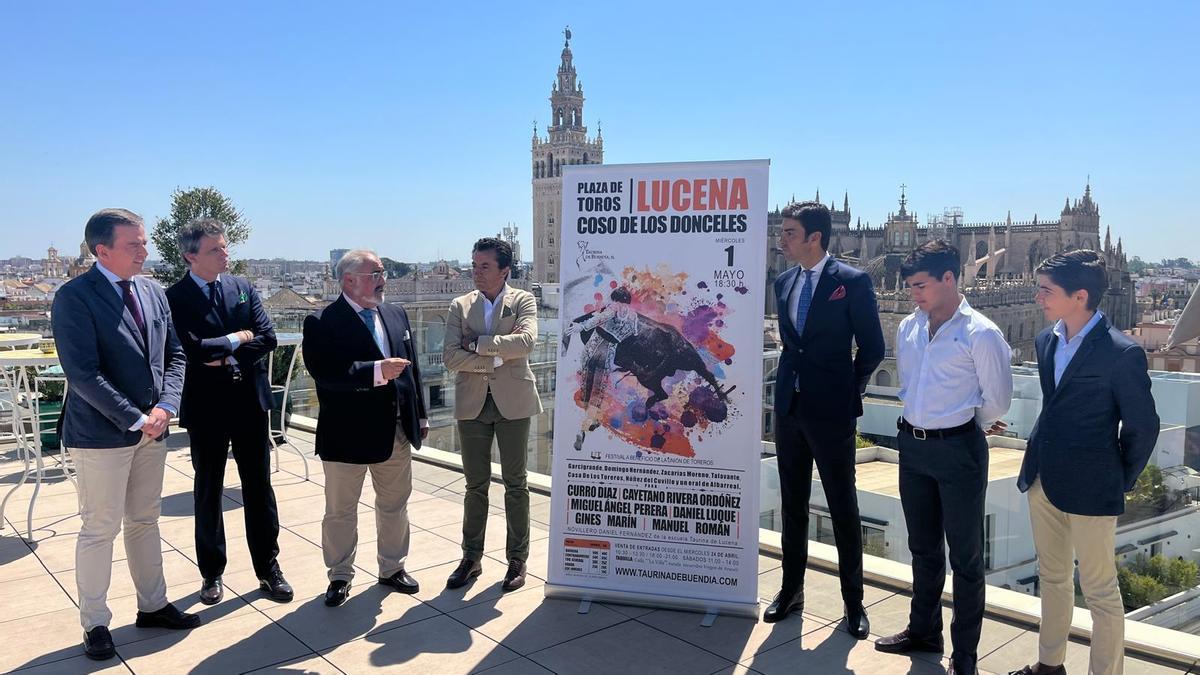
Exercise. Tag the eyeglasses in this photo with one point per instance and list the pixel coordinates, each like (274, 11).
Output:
(377, 275)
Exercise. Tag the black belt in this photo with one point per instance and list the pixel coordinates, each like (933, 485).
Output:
(925, 434)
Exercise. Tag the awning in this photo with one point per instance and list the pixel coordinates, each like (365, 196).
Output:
(1028, 580)
(1127, 548)
(1188, 324)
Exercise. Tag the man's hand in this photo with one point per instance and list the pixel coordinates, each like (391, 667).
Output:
(467, 341)
(424, 432)
(214, 362)
(997, 428)
(245, 336)
(393, 367)
(156, 422)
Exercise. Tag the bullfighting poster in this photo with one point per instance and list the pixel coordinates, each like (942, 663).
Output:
(658, 407)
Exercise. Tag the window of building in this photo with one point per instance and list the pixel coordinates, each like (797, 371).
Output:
(437, 398)
(874, 543)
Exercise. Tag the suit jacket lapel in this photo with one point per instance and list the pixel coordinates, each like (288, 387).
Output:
(107, 293)
(229, 298)
(360, 330)
(1046, 366)
(396, 329)
(783, 301)
(475, 315)
(149, 313)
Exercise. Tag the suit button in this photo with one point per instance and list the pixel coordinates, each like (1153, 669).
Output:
(799, 351)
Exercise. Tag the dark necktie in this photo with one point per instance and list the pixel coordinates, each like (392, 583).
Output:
(132, 306)
(216, 300)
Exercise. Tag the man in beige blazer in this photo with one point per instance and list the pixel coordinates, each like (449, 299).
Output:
(490, 333)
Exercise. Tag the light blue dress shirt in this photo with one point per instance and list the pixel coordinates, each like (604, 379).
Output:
(1065, 350)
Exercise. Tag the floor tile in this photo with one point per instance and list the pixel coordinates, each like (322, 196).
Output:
(370, 609)
(235, 645)
(628, 643)
(436, 645)
(733, 638)
(831, 652)
(525, 621)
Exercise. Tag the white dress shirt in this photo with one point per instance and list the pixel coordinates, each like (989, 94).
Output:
(798, 285)
(963, 372)
(489, 310)
(1065, 350)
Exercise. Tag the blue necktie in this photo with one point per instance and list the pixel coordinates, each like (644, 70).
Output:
(368, 317)
(805, 300)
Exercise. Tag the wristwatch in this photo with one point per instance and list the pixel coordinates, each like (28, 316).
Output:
(472, 347)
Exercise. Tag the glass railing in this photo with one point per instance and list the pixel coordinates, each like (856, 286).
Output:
(1158, 539)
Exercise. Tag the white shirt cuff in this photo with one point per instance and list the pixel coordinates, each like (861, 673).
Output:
(233, 340)
(424, 423)
(380, 380)
(137, 426)
(497, 361)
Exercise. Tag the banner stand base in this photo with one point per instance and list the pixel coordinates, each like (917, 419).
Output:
(709, 617)
(708, 607)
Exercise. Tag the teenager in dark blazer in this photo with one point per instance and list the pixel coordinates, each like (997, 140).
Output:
(362, 356)
(228, 338)
(1095, 434)
(824, 308)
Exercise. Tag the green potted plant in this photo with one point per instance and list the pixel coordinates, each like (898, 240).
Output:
(49, 407)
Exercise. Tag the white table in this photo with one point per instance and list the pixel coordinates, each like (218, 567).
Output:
(19, 340)
(19, 387)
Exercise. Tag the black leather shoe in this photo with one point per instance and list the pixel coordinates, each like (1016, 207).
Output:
(785, 603)
(1040, 669)
(857, 623)
(464, 573)
(955, 669)
(276, 587)
(337, 593)
(514, 578)
(98, 644)
(211, 591)
(402, 582)
(903, 642)
(167, 617)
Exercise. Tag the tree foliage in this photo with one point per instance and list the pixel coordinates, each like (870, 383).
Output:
(187, 205)
(395, 269)
(1148, 580)
(1149, 489)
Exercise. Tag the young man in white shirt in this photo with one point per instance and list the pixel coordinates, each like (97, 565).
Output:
(955, 382)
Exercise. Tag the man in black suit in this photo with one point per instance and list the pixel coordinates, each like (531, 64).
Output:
(228, 338)
(1095, 434)
(823, 307)
(362, 356)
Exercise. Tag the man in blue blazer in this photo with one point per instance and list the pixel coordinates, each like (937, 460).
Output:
(824, 308)
(227, 337)
(124, 369)
(1095, 434)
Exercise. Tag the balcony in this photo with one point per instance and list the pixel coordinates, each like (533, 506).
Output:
(476, 628)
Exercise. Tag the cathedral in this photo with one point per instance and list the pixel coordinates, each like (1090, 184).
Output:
(566, 142)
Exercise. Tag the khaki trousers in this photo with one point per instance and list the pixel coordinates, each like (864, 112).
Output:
(1061, 538)
(119, 485)
(392, 480)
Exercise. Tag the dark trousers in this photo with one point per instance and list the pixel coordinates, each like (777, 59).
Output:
(943, 483)
(799, 442)
(245, 427)
(512, 437)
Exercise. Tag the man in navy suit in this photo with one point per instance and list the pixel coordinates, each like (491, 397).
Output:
(824, 306)
(124, 369)
(227, 337)
(1095, 434)
(362, 355)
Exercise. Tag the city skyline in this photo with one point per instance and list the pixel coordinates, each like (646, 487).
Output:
(395, 125)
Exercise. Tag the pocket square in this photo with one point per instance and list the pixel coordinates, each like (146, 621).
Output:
(838, 294)
(507, 311)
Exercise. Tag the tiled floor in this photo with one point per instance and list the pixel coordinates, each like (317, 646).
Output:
(477, 628)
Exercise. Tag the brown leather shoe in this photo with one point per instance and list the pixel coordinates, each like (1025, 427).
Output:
(514, 578)
(903, 643)
(464, 573)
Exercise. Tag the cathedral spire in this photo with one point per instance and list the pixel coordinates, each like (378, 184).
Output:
(1108, 238)
(846, 202)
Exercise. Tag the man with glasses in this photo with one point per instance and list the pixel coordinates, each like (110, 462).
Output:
(362, 356)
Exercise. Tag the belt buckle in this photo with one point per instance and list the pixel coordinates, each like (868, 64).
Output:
(919, 434)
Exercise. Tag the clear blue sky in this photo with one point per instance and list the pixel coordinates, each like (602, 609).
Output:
(406, 127)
